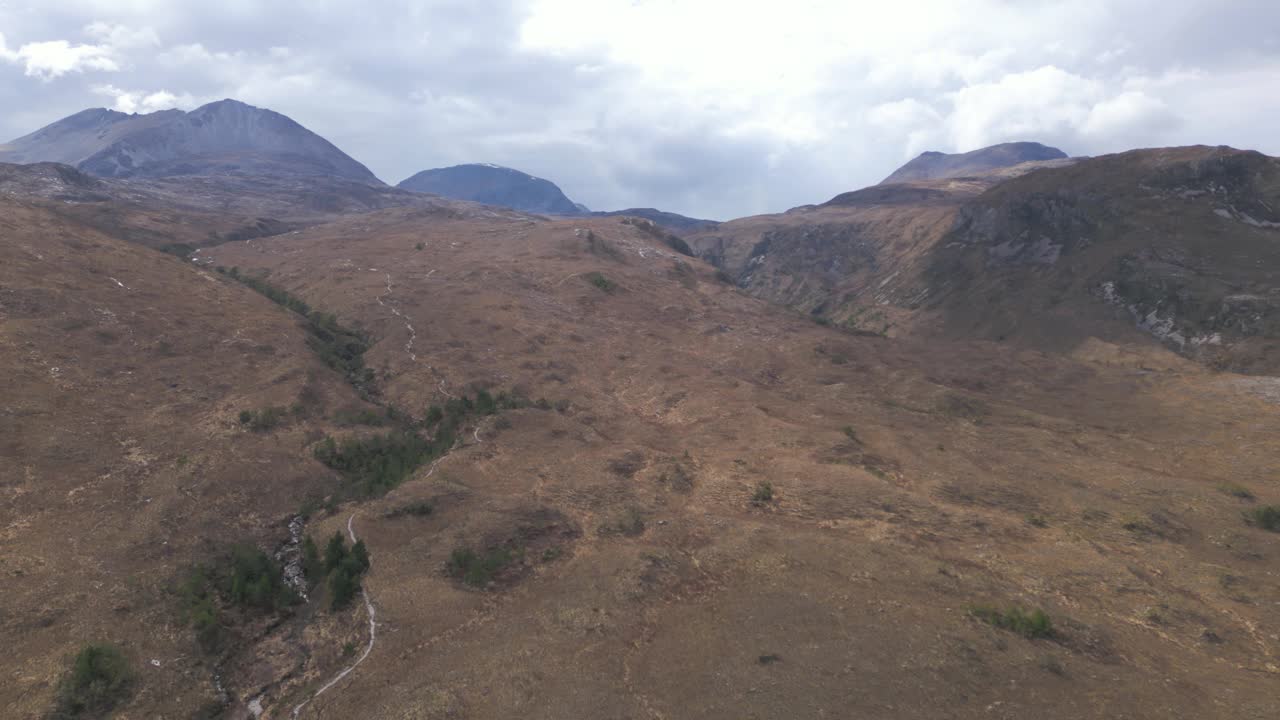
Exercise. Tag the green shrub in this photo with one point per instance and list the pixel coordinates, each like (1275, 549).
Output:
(264, 419)
(1031, 625)
(763, 493)
(1266, 517)
(202, 612)
(100, 679)
(475, 569)
(601, 282)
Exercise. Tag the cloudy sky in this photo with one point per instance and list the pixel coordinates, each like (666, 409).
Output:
(712, 108)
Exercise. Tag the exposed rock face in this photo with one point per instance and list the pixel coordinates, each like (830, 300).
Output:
(225, 137)
(493, 185)
(937, 165)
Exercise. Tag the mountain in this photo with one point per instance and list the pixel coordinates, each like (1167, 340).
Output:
(938, 166)
(1172, 246)
(225, 137)
(493, 185)
(505, 187)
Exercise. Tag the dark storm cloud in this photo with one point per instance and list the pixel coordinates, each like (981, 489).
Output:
(627, 103)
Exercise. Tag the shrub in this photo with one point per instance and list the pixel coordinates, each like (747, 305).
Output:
(1266, 517)
(419, 246)
(763, 493)
(1031, 625)
(202, 613)
(100, 679)
(264, 419)
(601, 282)
(1237, 491)
(475, 569)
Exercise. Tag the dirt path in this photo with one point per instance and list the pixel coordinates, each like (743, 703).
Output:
(413, 334)
(368, 604)
(373, 636)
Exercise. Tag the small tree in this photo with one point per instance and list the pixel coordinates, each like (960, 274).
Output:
(360, 554)
(311, 565)
(100, 679)
(335, 552)
(343, 586)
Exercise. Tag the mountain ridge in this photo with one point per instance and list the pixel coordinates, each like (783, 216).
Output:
(222, 137)
(934, 165)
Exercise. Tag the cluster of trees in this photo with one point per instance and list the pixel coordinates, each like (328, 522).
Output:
(377, 463)
(341, 567)
(341, 348)
(246, 579)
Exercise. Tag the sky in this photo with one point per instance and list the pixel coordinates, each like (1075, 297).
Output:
(710, 108)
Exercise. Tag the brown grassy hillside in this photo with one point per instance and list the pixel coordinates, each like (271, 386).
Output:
(642, 569)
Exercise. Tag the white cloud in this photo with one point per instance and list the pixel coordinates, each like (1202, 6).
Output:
(1046, 101)
(133, 101)
(54, 58)
(49, 59)
(1129, 112)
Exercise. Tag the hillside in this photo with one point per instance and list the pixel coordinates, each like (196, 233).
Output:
(940, 166)
(125, 462)
(224, 137)
(1170, 246)
(909, 481)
